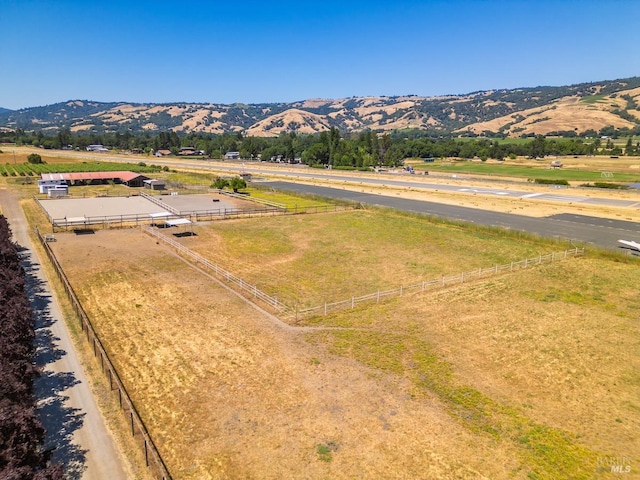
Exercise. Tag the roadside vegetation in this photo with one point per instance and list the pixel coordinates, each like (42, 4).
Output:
(340, 149)
(22, 452)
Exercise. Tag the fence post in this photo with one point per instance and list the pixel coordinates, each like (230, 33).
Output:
(353, 302)
(400, 290)
(133, 432)
(325, 309)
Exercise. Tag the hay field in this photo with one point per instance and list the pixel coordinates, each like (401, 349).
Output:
(525, 375)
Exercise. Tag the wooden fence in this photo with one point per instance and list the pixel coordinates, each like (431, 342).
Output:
(139, 431)
(282, 309)
(437, 283)
(220, 272)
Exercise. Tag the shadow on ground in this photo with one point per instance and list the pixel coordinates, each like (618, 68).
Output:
(60, 420)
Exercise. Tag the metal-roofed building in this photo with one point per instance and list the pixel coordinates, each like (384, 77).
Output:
(130, 179)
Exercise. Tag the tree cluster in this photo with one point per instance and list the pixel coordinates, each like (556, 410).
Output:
(341, 150)
(21, 433)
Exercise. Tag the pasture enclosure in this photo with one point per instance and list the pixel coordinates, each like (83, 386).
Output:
(437, 384)
(307, 260)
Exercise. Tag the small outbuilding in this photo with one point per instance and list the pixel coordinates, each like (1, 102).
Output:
(154, 184)
(58, 191)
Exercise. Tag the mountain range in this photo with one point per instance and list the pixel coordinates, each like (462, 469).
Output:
(512, 112)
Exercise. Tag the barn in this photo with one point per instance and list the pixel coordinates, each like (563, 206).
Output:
(130, 179)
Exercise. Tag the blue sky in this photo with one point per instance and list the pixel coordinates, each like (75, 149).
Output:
(282, 51)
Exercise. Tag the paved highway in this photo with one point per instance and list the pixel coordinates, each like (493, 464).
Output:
(416, 182)
(578, 229)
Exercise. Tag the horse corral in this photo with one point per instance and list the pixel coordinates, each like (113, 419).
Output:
(136, 209)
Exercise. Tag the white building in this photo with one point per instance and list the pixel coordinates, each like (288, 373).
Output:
(97, 148)
(45, 185)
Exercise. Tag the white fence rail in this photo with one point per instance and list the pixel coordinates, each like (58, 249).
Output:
(220, 272)
(440, 282)
(327, 307)
(160, 203)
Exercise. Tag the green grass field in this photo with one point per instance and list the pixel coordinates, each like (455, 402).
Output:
(526, 172)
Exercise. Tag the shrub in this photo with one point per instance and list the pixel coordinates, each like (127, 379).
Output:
(34, 158)
(614, 186)
(550, 181)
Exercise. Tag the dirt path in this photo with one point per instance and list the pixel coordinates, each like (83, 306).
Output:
(75, 427)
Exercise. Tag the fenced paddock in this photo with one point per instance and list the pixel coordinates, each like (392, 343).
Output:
(119, 212)
(375, 297)
(221, 273)
(138, 430)
(441, 282)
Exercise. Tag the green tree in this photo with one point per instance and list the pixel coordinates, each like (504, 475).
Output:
(34, 158)
(333, 139)
(628, 149)
(236, 183)
(220, 183)
(538, 147)
(316, 154)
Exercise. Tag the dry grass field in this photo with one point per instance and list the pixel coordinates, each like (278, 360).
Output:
(525, 375)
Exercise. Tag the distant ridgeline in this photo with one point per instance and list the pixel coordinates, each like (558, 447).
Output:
(586, 107)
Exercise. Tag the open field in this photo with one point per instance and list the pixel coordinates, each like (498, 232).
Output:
(526, 375)
(576, 170)
(307, 260)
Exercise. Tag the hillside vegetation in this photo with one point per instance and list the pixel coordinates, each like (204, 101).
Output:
(537, 110)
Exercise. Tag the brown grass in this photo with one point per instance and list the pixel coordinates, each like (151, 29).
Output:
(527, 375)
(432, 387)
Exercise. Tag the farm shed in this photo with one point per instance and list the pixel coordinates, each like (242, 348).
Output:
(154, 184)
(58, 191)
(130, 179)
(45, 185)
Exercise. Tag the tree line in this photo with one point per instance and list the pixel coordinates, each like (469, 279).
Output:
(22, 456)
(335, 148)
